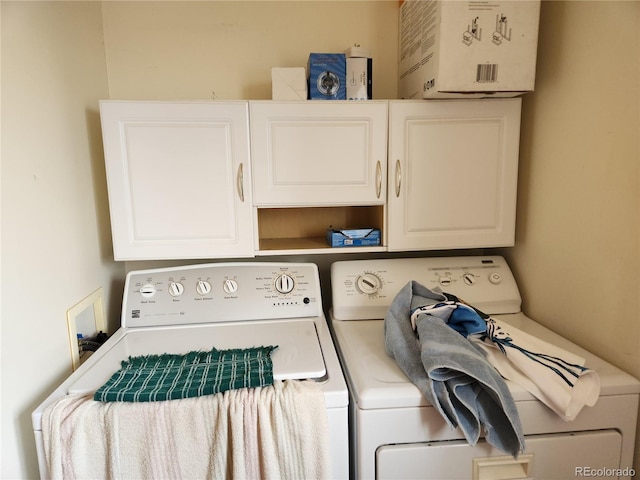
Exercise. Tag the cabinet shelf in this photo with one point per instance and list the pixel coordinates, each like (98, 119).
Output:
(315, 245)
(290, 230)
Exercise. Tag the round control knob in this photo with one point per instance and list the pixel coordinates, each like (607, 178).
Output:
(230, 286)
(469, 278)
(445, 281)
(147, 290)
(369, 283)
(203, 287)
(176, 289)
(495, 278)
(284, 283)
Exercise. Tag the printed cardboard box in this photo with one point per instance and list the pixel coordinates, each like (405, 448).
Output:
(454, 49)
(353, 237)
(327, 76)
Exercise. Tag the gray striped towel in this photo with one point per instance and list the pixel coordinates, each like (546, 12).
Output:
(154, 378)
(451, 372)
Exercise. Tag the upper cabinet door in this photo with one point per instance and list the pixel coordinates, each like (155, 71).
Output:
(453, 169)
(319, 153)
(179, 181)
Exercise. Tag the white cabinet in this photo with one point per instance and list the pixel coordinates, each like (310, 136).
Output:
(216, 179)
(319, 153)
(453, 168)
(179, 179)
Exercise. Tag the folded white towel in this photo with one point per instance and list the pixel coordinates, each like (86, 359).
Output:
(556, 377)
(279, 431)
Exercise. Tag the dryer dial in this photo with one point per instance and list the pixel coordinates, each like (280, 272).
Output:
(469, 278)
(495, 278)
(369, 283)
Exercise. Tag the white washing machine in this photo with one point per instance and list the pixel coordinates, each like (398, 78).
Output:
(224, 305)
(396, 434)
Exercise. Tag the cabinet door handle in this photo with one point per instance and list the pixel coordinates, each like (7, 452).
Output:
(398, 177)
(378, 179)
(240, 180)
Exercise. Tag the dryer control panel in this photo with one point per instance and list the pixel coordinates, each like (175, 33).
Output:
(221, 292)
(364, 289)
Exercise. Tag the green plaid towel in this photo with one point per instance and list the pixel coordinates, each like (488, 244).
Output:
(155, 378)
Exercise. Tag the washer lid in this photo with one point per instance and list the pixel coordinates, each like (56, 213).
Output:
(298, 356)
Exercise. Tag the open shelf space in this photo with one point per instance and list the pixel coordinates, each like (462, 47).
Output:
(287, 230)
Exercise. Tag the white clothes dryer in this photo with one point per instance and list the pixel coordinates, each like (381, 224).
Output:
(396, 434)
(224, 305)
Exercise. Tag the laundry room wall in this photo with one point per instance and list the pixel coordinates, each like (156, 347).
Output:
(577, 249)
(225, 50)
(56, 246)
(577, 253)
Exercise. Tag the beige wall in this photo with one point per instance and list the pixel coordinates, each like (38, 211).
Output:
(178, 50)
(578, 242)
(577, 253)
(56, 246)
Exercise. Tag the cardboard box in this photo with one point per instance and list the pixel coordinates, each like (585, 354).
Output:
(467, 49)
(288, 83)
(353, 237)
(327, 76)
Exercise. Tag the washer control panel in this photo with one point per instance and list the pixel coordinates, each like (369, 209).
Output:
(364, 289)
(221, 292)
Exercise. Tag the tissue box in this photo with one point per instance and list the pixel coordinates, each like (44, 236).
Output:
(353, 237)
(288, 83)
(327, 76)
(359, 74)
(359, 85)
(473, 49)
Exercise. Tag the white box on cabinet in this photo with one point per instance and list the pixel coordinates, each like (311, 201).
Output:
(288, 83)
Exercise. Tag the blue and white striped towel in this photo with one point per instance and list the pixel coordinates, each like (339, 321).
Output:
(556, 377)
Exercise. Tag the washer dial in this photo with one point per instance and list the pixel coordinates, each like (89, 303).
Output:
(284, 283)
(176, 289)
(203, 287)
(230, 286)
(147, 290)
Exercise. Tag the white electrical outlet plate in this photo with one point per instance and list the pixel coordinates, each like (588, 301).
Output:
(86, 317)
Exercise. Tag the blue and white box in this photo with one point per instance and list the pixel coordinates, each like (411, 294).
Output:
(327, 76)
(353, 237)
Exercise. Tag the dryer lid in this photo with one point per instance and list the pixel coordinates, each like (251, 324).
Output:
(378, 382)
(298, 356)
